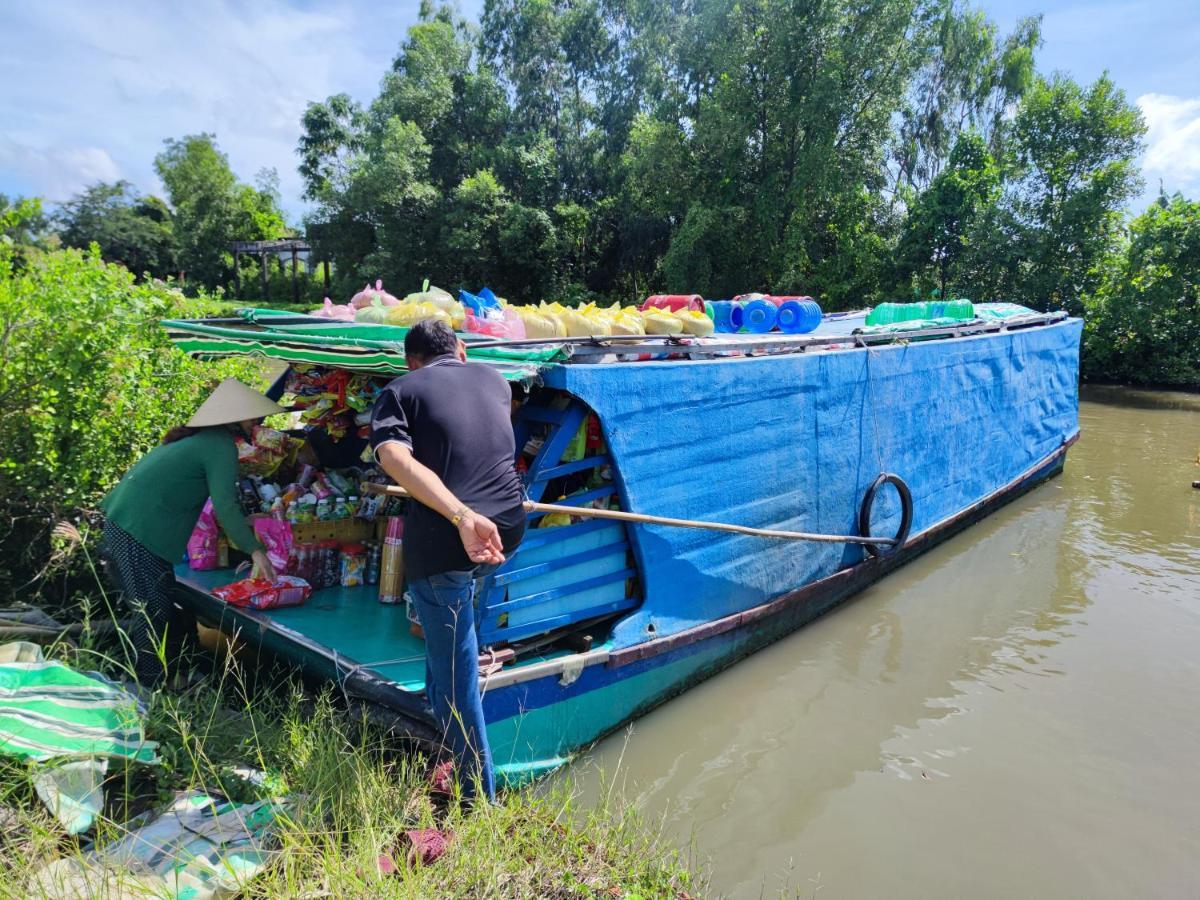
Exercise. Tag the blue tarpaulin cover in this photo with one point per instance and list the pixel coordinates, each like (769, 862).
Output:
(794, 441)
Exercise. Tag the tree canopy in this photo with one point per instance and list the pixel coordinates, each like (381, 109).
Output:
(608, 149)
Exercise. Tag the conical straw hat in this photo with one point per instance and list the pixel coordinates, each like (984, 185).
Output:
(232, 401)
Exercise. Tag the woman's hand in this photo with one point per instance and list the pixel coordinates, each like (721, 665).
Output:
(481, 539)
(262, 566)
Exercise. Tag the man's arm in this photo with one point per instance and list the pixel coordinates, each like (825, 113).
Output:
(479, 535)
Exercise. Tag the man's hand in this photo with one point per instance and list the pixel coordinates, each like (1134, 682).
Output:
(481, 539)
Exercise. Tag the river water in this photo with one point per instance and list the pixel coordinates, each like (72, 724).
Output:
(1014, 714)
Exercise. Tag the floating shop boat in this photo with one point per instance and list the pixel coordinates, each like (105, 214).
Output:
(597, 621)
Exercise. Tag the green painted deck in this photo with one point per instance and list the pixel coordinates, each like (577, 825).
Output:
(350, 621)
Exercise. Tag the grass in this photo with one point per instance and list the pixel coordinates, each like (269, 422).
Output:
(357, 790)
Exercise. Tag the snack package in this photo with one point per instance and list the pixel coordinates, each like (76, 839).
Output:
(265, 453)
(202, 545)
(276, 537)
(259, 593)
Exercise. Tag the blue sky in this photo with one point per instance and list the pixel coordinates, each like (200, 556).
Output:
(88, 91)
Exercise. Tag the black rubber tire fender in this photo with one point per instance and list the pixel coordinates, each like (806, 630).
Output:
(906, 514)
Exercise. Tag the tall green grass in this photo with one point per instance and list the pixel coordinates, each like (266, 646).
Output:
(357, 790)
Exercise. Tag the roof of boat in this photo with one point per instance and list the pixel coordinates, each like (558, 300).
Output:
(379, 349)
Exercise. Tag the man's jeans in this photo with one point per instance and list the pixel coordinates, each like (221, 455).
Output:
(446, 607)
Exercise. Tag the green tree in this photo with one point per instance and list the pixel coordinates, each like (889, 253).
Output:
(939, 224)
(212, 208)
(22, 229)
(133, 230)
(788, 110)
(1073, 165)
(969, 80)
(1143, 321)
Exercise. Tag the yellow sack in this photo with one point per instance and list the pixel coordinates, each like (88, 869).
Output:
(539, 324)
(661, 322)
(695, 322)
(626, 324)
(409, 314)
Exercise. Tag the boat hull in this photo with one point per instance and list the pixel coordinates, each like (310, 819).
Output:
(790, 441)
(537, 725)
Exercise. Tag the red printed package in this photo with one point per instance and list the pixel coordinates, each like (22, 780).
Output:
(258, 593)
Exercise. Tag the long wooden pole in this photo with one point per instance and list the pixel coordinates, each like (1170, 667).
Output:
(621, 516)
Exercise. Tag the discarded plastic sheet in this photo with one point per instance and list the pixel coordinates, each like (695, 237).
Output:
(70, 724)
(200, 847)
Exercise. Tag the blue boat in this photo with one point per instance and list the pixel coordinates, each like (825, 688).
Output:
(593, 622)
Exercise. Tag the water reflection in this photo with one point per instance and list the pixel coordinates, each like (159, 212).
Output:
(1023, 692)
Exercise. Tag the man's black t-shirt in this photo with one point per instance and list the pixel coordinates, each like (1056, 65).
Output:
(455, 417)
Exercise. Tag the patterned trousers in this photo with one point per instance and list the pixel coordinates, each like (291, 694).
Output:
(148, 584)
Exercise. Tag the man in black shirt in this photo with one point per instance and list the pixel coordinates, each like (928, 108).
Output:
(443, 433)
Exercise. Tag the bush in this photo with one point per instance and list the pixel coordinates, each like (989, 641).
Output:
(88, 382)
(1143, 323)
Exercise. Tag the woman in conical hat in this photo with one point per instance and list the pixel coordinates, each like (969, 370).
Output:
(150, 515)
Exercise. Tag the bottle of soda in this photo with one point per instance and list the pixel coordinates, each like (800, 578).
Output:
(373, 559)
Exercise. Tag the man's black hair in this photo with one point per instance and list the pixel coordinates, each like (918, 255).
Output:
(429, 339)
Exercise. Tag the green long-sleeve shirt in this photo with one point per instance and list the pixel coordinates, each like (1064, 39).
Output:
(160, 498)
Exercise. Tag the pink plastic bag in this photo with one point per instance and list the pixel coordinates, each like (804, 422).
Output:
(202, 545)
(276, 536)
(333, 311)
(510, 326)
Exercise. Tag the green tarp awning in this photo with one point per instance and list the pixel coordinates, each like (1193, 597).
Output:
(372, 349)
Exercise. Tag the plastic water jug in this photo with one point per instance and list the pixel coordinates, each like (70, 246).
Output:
(799, 316)
(960, 309)
(724, 313)
(759, 316)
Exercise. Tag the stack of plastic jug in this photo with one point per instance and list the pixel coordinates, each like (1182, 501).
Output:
(798, 315)
(760, 313)
(892, 313)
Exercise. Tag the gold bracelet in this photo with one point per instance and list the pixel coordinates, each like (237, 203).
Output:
(458, 516)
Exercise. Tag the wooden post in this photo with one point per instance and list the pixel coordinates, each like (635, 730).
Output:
(325, 266)
(295, 284)
(237, 274)
(262, 258)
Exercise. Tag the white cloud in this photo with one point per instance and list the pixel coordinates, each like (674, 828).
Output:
(59, 172)
(1172, 142)
(77, 76)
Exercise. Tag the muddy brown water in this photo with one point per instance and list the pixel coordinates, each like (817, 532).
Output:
(1014, 714)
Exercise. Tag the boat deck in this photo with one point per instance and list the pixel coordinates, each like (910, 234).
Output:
(349, 623)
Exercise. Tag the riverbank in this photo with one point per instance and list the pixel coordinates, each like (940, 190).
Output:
(353, 792)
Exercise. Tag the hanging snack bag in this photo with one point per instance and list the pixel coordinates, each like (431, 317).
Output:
(202, 545)
(276, 537)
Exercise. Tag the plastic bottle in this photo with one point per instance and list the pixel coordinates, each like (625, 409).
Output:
(723, 311)
(373, 560)
(759, 316)
(799, 316)
(960, 309)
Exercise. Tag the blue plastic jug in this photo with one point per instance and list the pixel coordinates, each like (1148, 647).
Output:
(727, 316)
(799, 316)
(759, 316)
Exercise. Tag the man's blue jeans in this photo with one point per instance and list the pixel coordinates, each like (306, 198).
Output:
(446, 607)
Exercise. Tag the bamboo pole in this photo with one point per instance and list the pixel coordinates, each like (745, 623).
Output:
(622, 516)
